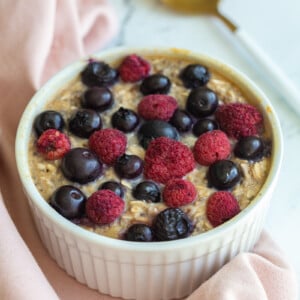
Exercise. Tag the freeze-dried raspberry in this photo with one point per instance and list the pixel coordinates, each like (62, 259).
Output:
(167, 159)
(157, 106)
(221, 206)
(53, 144)
(134, 68)
(104, 206)
(108, 144)
(239, 119)
(179, 192)
(211, 146)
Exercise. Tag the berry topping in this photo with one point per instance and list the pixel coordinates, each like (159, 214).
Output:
(139, 233)
(221, 207)
(239, 119)
(108, 144)
(68, 201)
(179, 192)
(181, 120)
(48, 119)
(81, 165)
(156, 128)
(84, 122)
(166, 159)
(155, 84)
(134, 68)
(157, 106)
(98, 73)
(125, 120)
(202, 102)
(128, 166)
(171, 224)
(104, 207)
(53, 144)
(211, 146)
(97, 98)
(204, 125)
(147, 190)
(194, 76)
(223, 174)
(114, 186)
(250, 148)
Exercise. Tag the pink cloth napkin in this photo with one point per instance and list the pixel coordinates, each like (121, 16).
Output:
(37, 39)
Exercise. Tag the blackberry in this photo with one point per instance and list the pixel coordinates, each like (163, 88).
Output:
(171, 224)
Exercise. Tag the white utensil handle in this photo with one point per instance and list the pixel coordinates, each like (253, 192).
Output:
(284, 85)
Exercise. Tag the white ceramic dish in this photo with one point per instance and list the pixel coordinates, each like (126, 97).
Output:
(146, 271)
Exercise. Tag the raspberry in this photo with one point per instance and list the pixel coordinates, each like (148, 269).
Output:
(221, 206)
(134, 68)
(104, 206)
(178, 192)
(161, 107)
(53, 144)
(167, 159)
(211, 146)
(108, 144)
(239, 120)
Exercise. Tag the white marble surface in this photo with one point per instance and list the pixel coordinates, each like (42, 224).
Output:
(275, 25)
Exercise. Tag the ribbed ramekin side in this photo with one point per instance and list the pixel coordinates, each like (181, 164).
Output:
(153, 277)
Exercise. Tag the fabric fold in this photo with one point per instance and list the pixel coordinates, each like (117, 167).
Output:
(263, 274)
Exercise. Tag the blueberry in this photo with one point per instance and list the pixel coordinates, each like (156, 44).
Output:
(97, 98)
(147, 190)
(125, 120)
(204, 125)
(194, 76)
(81, 165)
(139, 233)
(114, 186)
(128, 166)
(68, 201)
(250, 148)
(155, 84)
(48, 119)
(98, 73)
(202, 102)
(84, 122)
(223, 174)
(171, 224)
(181, 120)
(153, 129)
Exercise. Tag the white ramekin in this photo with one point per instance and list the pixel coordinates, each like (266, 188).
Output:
(146, 271)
